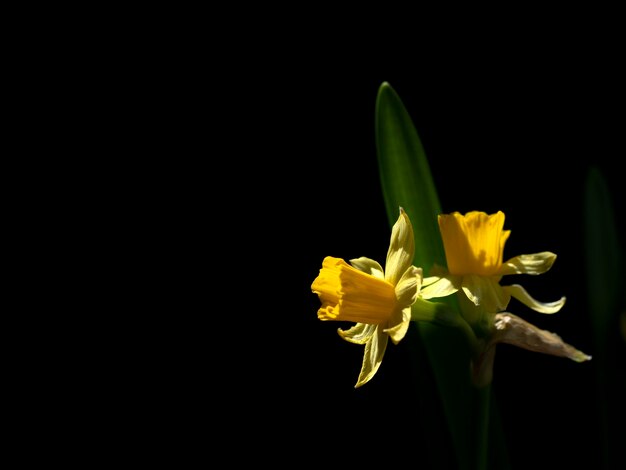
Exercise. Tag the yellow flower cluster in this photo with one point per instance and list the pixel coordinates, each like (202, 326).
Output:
(380, 300)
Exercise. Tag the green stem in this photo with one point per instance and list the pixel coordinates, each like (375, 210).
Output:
(441, 314)
(483, 403)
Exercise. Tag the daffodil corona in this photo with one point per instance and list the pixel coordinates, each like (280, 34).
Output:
(378, 300)
(352, 295)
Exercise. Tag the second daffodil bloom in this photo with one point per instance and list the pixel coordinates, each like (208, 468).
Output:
(378, 300)
(474, 246)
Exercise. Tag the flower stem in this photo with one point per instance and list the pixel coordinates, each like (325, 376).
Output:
(442, 315)
(483, 403)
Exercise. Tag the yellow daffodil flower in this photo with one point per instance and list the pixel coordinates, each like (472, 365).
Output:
(378, 300)
(474, 245)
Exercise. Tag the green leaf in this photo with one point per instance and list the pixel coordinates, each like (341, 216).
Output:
(603, 255)
(605, 288)
(405, 177)
(407, 182)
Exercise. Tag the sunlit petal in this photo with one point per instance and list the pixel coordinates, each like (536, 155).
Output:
(520, 294)
(537, 263)
(408, 286)
(372, 357)
(398, 331)
(486, 292)
(401, 249)
(368, 266)
(442, 287)
(358, 334)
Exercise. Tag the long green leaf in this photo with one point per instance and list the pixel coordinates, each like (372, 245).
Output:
(407, 182)
(405, 177)
(605, 284)
(603, 256)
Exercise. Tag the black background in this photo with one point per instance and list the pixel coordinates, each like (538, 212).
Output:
(224, 169)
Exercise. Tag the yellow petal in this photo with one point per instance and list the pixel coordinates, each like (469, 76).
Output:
(473, 242)
(520, 294)
(401, 249)
(486, 292)
(372, 356)
(399, 329)
(358, 334)
(429, 280)
(442, 287)
(368, 266)
(408, 286)
(537, 263)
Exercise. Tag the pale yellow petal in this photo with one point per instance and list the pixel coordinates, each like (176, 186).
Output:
(368, 266)
(372, 356)
(360, 333)
(441, 288)
(524, 297)
(401, 249)
(486, 292)
(398, 331)
(536, 263)
(408, 286)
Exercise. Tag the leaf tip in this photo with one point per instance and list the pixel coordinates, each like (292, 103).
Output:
(385, 87)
